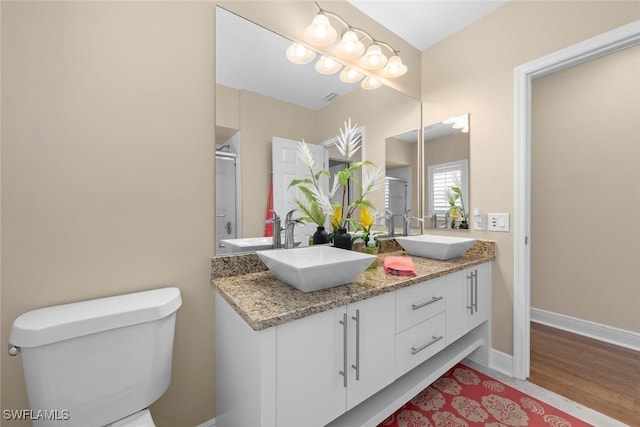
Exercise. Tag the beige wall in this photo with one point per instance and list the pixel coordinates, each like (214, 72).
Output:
(473, 71)
(585, 237)
(107, 172)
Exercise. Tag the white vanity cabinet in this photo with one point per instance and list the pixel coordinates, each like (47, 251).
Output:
(329, 362)
(352, 365)
(468, 301)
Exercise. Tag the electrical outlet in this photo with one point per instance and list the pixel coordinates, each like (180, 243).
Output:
(498, 222)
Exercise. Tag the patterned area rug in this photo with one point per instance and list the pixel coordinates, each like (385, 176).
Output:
(464, 397)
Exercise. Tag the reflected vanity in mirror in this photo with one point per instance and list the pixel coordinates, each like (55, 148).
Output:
(446, 166)
(259, 97)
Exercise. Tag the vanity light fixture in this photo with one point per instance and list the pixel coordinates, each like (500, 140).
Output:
(369, 59)
(350, 46)
(320, 32)
(326, 65)
(349, 75)
(373, 59)
(394, 67)
(298, 54)
(370, 83)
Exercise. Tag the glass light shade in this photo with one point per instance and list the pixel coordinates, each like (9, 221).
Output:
(349, 75)
(320, 32)
(374, 59)
(370, 83)
(299, 54)
(327, 65)
(394, 67)
(350, 46)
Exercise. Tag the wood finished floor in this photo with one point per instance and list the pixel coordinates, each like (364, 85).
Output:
(599, 375)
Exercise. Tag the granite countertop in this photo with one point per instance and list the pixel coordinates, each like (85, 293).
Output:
(264, 301)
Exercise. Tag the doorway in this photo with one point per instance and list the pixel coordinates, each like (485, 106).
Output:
(612, 41)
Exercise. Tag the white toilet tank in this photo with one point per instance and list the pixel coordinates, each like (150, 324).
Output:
(94, 362)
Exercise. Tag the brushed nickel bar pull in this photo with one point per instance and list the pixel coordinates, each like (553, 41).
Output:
(419, 349)
(343, 322)
(357, 365)
(424, 304)
(470, 306)
(475, 289)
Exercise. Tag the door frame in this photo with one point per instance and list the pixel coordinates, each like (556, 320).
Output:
(617, 39)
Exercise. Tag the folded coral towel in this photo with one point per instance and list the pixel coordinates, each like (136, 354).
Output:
(399, 266)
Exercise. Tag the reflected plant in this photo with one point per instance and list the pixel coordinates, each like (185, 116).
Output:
(315, 198)
(457, 211)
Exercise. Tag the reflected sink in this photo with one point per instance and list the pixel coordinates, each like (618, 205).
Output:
(436, 247)
(249, 244)
(315, 267)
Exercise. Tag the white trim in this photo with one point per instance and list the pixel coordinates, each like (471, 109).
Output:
(210, 423)
(595, 47)
(501, 362)
(598, 331)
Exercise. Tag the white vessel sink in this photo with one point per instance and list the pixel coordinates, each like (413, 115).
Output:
(315, 267)
(437, 247)
(250, 244)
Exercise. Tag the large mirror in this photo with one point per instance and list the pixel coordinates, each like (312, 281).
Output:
(261, 96)
(446, 168)
(402, 198)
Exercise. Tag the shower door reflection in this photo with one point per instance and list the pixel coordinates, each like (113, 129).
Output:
(226, 203)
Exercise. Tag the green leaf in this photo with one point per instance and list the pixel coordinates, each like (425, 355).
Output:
(295, 182)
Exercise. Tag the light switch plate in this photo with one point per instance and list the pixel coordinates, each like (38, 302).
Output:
(498, 222)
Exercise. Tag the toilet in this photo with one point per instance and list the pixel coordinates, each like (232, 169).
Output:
(99, 362)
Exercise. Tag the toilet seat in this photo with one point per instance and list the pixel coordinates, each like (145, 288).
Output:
(139, 419)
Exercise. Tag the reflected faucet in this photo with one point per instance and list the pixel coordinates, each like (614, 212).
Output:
(289, 224)
(406, 222)
(433, 216)
(390, 225)
(277, 229)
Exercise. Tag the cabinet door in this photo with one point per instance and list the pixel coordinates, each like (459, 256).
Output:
(371, 351)
(468, 300)
(457, 301)
(310, 390)
(481, 294)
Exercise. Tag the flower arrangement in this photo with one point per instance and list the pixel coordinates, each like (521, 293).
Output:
(317, 205)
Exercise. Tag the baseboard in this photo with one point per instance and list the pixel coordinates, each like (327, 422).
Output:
(609, 334)
(210, 423)
(501, 362)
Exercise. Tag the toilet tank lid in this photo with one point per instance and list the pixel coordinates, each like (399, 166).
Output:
(61, 322)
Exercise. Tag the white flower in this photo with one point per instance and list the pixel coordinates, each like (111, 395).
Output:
(304, 154)
(349, 140)
(323, 199)
(372, 180)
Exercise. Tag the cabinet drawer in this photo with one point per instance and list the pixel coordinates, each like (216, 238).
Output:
(417, 344)
(417, 303)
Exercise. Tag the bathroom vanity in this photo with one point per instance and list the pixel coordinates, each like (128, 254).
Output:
(344, 356)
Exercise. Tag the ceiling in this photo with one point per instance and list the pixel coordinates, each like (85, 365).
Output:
(251, 57)
(423, 23)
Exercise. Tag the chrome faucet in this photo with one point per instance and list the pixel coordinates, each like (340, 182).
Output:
(447, 217)
(289, 224)
(390, 225)
(406, 221)
(433, 216)
(277, 230)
